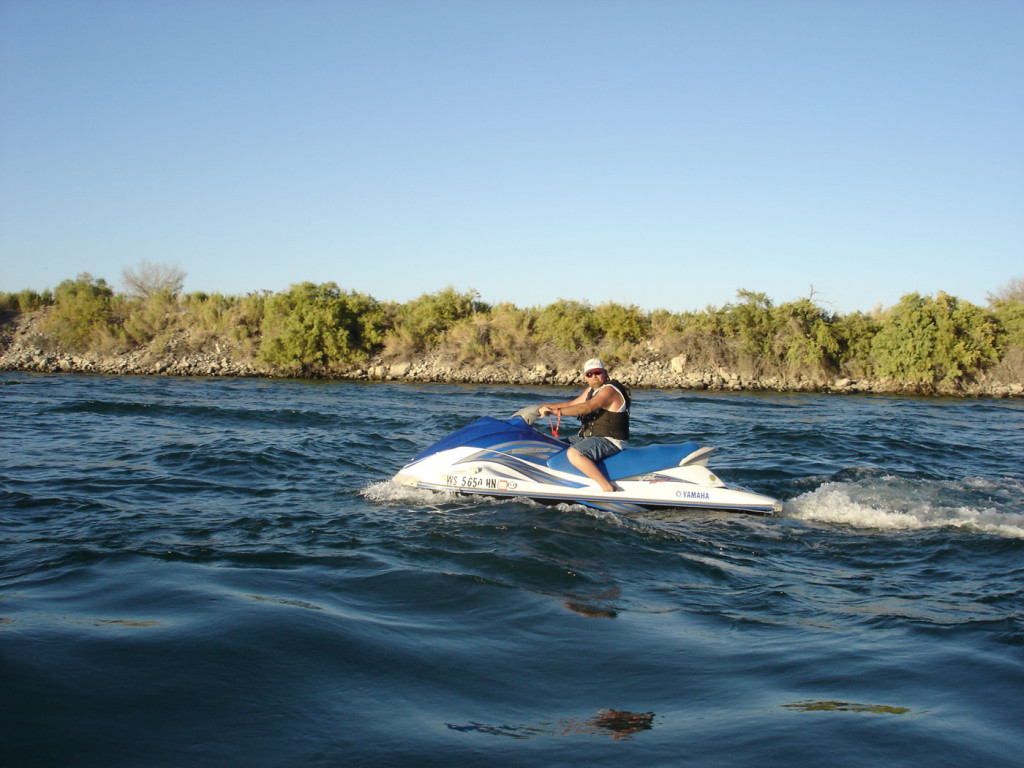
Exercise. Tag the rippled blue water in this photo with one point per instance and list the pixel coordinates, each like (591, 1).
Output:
(217, 572)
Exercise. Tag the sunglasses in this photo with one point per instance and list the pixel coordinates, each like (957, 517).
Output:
(588, 374)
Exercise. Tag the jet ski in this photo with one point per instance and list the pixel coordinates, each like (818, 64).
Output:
(495, 457)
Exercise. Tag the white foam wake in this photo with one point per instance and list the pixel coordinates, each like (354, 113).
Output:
(390, 492)
(975, 505)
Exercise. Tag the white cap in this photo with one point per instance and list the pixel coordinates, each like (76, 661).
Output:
(593, 364)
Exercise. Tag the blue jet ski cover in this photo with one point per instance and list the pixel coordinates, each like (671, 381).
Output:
(487, 431)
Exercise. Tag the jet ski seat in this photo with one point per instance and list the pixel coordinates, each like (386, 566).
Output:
(630, 462)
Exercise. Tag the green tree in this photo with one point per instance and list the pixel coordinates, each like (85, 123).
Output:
(855, 333)
(751, 321)
(1008, 307)
(620, 324)
(568, 325)
(314, 327)
(423, 322)
(804, 338)
(82, 312)
(924, 341)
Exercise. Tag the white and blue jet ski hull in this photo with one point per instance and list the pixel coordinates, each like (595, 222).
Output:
(491, 457)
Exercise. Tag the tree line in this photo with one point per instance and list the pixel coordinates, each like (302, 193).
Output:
(921, 343)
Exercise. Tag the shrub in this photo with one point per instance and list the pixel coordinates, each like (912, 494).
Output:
(468, 340)
(622, 325)
(81, 314)
(30, 301)
(665, 336)
(25, 301)
(924, 341)
(751, 323)
(1008, 308)
(148, 318)
(422, 323)
(314, 327)
(804, 340)
(510, 331)
(567, 325)
(248, 320)
(854, 334)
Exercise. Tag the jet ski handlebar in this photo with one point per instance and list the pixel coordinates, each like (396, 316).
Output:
(529, 414)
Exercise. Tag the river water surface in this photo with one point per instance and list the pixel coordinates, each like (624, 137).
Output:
(218, 572)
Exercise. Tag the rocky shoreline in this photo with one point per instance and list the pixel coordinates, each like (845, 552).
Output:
(21, 353)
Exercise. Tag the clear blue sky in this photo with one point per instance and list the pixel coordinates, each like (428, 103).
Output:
(649, 152)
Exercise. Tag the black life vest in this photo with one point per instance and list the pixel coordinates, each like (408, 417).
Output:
(602, 423)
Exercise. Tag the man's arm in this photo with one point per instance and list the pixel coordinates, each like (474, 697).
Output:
(606, 398)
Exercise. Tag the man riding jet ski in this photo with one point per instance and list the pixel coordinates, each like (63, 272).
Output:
(492, 457)
(603, 409)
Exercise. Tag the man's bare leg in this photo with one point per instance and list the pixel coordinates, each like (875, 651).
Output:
(589, 468)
